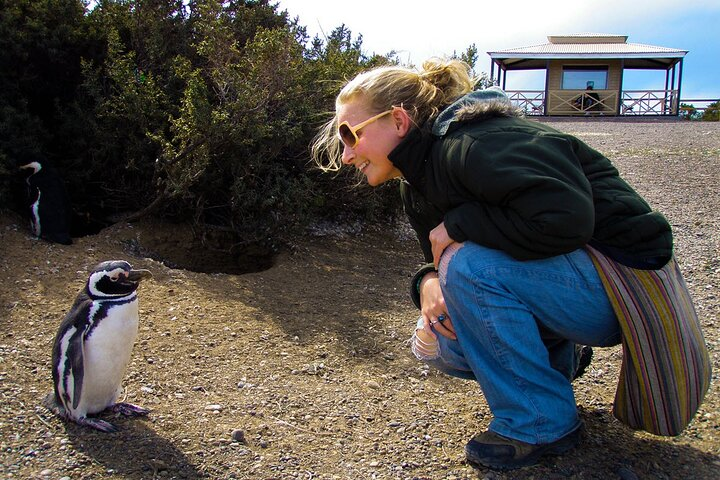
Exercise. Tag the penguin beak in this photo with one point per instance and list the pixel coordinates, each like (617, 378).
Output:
(137, 275)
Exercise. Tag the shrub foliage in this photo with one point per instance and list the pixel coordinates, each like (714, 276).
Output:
(199, 111)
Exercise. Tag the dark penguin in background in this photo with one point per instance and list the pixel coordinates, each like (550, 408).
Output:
(49, 202)
(93, 345)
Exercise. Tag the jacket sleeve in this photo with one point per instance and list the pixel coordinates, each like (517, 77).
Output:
(532, 199)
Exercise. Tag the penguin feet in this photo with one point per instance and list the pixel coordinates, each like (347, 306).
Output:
(129, 410)
(97, 424)
(50, 402)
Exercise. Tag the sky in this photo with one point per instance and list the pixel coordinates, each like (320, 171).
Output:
(417, 29)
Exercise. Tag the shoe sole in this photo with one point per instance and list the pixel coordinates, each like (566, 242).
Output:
(560, 447)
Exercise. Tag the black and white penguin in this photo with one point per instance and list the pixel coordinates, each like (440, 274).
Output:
(48, 202)
(93, 345)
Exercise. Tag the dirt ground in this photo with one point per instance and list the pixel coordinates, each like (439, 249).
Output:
(303, 371)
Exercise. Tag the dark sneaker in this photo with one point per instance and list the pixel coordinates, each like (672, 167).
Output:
(585, 354)
(492, 450)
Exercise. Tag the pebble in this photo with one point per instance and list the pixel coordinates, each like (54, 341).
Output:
(238, 436)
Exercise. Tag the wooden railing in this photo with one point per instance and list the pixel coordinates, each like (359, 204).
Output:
(690, 107)
(602, 102)
(649, 102)
(582, 102)
(532, 102)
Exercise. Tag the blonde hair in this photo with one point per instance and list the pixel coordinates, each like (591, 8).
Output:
(423, 94)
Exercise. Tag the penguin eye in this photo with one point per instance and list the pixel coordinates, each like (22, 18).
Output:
(115, 277)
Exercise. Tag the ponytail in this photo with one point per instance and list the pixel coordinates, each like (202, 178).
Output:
(448, 80)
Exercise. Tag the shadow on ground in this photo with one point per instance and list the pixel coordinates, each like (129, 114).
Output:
(145, 453)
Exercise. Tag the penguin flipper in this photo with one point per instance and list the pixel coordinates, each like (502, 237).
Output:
(76, 358)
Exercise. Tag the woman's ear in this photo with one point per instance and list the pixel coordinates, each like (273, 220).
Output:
(402, 121)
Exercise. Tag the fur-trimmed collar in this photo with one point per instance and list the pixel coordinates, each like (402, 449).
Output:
(489, 109)
(476, 105)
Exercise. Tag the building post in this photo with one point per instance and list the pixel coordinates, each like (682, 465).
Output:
(677, 102)
(547, 88)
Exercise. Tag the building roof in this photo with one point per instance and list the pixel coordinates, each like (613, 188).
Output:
(588, 46)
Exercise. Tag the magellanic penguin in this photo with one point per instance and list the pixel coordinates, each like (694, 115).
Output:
(93, 345)
(48, 202)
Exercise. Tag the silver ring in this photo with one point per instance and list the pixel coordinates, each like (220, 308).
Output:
(441, 318)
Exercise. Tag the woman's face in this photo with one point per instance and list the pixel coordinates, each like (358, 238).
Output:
(375, 141)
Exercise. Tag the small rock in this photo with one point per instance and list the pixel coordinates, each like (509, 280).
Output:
(238, 436)
(213, 407)
(373, 384)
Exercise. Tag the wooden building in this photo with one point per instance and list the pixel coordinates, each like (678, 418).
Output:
(584, 76)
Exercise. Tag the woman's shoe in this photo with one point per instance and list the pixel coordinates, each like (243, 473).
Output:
(585, 353)
(492, 450)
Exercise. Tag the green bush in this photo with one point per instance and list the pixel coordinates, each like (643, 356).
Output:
(200, 112)
(689, 112)
(712, 112)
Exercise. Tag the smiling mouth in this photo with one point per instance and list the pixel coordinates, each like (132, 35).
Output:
(363, 166)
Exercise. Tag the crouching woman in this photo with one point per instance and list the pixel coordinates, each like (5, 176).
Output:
(510, 215)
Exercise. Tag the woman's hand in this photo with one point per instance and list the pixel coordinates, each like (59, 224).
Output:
(434, 311)
(440, 240)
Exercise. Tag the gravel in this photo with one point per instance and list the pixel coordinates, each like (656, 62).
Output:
(303, 371)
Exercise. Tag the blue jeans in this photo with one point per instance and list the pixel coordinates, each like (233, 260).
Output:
(517, 324)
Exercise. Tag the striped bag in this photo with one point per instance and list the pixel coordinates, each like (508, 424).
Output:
(665, 371)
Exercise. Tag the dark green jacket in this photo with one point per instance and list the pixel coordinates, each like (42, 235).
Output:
(520, 186)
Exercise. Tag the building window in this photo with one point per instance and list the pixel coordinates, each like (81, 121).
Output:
(580, 78)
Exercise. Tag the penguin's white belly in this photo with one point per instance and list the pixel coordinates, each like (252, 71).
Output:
(106, 356)
(35, 210)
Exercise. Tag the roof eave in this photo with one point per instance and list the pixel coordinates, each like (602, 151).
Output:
(607, 56)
